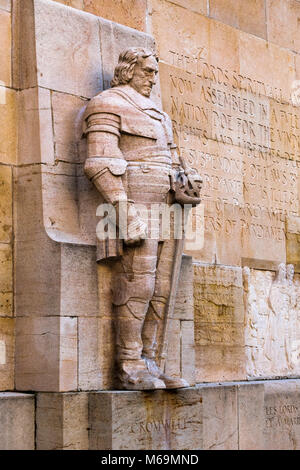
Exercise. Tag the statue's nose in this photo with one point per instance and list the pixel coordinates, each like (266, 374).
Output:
(153, 79)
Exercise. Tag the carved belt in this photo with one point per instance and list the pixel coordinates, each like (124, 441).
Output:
(160, 154)
(147, 167)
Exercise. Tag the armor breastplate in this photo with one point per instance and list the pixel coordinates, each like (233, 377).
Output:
(146, 135)
(145, 130)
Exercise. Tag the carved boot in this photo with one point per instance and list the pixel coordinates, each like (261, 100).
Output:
(151, 335)
(132, 371)
(134, 375)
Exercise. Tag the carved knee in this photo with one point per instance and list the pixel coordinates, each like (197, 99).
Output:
(157, 309)
(140, 288)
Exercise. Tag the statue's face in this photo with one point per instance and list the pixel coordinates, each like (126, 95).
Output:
(144, 76)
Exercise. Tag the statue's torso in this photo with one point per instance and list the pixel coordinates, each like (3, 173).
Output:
(145, 130)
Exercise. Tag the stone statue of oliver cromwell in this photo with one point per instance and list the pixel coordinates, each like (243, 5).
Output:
(132, 160)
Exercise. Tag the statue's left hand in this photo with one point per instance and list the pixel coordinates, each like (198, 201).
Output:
(187, 186)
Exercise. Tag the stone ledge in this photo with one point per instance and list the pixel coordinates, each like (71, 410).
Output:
(257, 415)
(17, 421)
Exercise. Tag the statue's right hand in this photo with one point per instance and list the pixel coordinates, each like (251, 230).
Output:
(132, 227)
(137, 231)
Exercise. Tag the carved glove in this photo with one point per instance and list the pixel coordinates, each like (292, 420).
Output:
(186, 185)
(132, 228)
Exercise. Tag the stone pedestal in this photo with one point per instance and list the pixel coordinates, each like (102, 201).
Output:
(261, 415)
(62, 421)
(282, 415)
(17, 416)
(146, 421)
(233, 416)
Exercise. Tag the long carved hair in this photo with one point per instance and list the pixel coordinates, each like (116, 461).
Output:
(127, 62)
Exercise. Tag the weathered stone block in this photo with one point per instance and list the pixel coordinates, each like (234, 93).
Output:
(5, 204)
(77, 299)
(297, 60)
(67, 125)
(36, 141)
(187, 353)
(192, 32)
(62, 421)
(5, 49)
(219, 35)
(130, 13)
(46, 354)
(271, 323)
(184, 299)
(60, 202)
(7, 353)
(96, 354)
(5, 5)
(219, 323)
(220, 420)
(251, 419)
(17, 421)
(67, 59)
(38, 288)
(293, 241)
(283, 23)
(258, 57)
(173, 362)
(37, 275)
(161, 420)
(198, 6)
(72, 3)
(263, 237)
(8, 126)
(90, 357)
(6, 304)
(6, 279)
(249, 16)
(282, 417)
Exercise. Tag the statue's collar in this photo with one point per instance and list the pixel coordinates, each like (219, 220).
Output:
(137, 99)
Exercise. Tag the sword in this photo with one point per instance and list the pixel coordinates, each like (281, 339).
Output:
(190, 195)
(162, 356)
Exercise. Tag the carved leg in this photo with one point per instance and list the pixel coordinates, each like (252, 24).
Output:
(152, 328)
(133, 289)
(132, 372)
(154, 322)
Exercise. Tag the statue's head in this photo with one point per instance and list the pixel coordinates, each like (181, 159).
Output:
(138, 68)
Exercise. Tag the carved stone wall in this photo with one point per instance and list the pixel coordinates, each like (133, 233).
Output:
(8, 155)
(229, 78)
(230, 81)
(237, 122)
(272, 334)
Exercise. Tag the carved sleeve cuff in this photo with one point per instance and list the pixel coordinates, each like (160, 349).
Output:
(94, 167)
